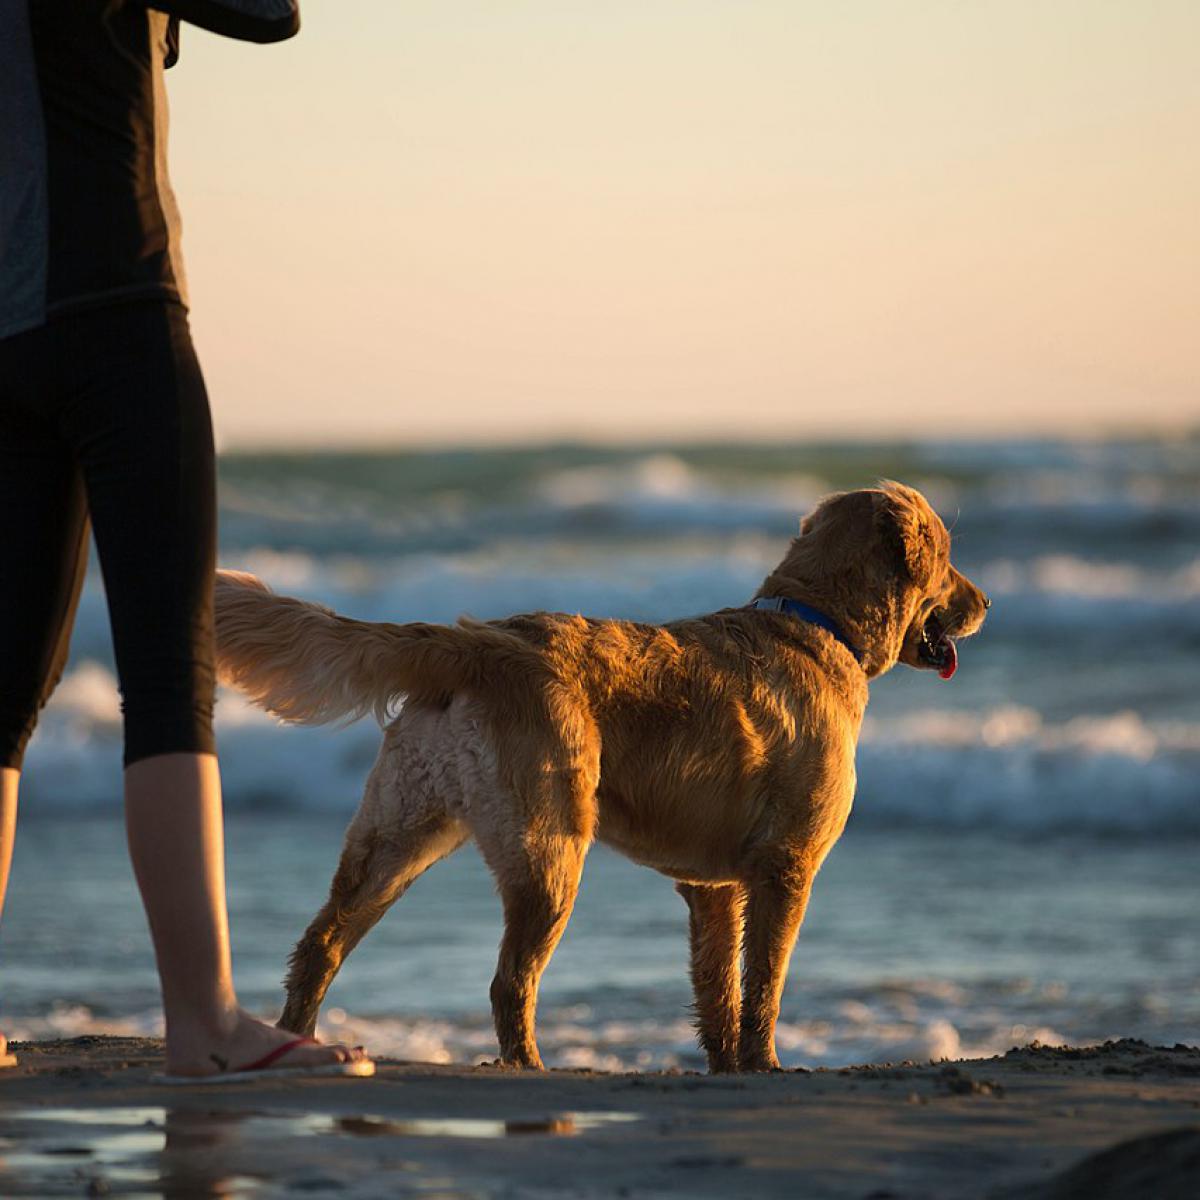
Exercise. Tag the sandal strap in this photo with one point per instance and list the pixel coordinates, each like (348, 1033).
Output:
(260, 1064)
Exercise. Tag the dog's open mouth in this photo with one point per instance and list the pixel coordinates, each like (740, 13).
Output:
(936, 648)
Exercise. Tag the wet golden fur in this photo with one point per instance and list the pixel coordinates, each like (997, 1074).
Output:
(718, 750)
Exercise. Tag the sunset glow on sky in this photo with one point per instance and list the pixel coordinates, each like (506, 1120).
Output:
(443, 222)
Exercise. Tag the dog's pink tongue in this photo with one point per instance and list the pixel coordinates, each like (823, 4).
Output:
(951, 663)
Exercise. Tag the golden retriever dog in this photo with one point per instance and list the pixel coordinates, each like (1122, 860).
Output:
(718, 750)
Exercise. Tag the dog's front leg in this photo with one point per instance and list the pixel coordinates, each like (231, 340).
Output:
(778, 897)
(715, 927)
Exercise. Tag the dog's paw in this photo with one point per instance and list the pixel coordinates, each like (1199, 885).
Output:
(759, 1064)
(522, 1064)
(725, 1064)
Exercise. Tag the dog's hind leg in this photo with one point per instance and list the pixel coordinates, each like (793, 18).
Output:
(376, 869)
(402, 827)
(715, 921)
(533, 821)
(538, 884)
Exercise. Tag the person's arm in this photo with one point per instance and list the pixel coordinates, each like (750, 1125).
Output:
(246, 20)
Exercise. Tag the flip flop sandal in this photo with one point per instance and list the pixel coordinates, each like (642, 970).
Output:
(262, 1068)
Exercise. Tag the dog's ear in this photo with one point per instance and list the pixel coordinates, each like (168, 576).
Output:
(911, 529)
(826, 505)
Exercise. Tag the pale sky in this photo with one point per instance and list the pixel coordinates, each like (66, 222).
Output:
(436, 221)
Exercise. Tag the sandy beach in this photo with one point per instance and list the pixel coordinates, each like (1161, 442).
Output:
(83, 1116)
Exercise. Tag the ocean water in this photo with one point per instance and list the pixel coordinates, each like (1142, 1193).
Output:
(1021, 861)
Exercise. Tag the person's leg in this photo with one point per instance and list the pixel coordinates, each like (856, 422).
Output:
(9, 778)
(43, 539)
(174, 825)
(139, 420)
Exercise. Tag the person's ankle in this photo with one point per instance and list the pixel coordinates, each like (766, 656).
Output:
(216, 1022)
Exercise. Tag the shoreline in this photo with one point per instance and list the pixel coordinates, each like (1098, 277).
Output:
(83, 1116)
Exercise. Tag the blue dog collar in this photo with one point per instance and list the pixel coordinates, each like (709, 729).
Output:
(805, 612)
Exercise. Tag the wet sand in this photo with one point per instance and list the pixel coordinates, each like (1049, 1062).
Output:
(83, 1117)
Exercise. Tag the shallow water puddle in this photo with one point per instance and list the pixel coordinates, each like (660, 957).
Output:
(153, 1151)
(558, 1125)
(100, 1143)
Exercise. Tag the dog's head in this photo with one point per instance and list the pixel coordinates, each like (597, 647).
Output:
(878, 562)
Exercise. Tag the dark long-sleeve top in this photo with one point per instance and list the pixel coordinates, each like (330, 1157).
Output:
(87, 215)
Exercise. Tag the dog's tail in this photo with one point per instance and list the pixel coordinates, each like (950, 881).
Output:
(306, 664)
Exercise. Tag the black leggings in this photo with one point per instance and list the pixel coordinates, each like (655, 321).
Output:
(104, 413)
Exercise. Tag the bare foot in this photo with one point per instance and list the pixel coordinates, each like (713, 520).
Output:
(6, 1059)
(201, 1052)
